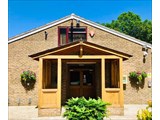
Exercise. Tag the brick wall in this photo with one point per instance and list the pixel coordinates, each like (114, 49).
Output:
(18, 61)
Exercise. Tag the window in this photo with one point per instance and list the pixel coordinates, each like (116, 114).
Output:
(112, 73)
(74, 78)
(63, 37)
(87, 77)
(77, 34)
(71, 34)
(49, 74)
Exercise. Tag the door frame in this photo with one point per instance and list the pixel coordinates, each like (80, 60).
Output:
(81, 86)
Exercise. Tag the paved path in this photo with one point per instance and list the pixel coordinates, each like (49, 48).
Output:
(31, 113)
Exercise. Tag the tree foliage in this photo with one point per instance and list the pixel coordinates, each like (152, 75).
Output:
(132, 24)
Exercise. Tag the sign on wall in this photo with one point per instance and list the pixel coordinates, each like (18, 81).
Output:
(124, 79)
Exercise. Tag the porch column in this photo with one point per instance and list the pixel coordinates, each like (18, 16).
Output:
(103, 78)
(121, 82)
(40, 81)
(59, 68)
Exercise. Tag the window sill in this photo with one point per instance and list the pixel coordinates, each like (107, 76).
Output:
(49, 90)
(112, 89)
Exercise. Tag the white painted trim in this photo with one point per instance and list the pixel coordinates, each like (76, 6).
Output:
(38, 29)
(114, 32)
(73, 16)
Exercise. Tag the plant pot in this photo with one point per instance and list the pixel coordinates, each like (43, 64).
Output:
(28, 84)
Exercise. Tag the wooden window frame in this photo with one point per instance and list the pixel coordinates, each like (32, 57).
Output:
(67, 33)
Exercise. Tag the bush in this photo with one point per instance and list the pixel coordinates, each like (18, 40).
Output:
(145, 114)
(82, 109)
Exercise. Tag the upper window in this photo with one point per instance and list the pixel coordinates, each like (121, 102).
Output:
(63, 36)
(71, 34)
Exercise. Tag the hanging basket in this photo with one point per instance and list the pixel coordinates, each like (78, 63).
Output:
(137, 79)
(28, 79)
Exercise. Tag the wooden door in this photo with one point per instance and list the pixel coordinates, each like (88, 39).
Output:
(81, 83)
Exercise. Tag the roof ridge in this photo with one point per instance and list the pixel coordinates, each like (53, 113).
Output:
(74, 16)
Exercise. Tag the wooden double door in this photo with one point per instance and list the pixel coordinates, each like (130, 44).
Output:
(82, 83)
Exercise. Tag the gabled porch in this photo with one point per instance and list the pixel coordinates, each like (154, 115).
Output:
(79, 69)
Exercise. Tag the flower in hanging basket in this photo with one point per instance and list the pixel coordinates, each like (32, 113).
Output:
(138, 76)
(28, 79)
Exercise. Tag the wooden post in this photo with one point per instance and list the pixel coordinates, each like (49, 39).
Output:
(103, 78)
(59, 74)
(40, 81)
(121, 83)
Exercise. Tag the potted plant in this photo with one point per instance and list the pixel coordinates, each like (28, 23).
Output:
(137, 76)
(28, 79)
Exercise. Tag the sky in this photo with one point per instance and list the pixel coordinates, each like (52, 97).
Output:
(24, 15)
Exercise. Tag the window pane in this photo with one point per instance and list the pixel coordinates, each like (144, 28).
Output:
(108, 74)
(78, 29)
(112, 73)
(49, 74)
(88, 77)
(77, 36)
(74, 77)
(54, 75)
(63, 32)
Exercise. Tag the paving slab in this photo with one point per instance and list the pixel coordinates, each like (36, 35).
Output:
(31, 113)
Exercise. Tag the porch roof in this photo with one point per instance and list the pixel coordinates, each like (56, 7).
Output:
(80, 48)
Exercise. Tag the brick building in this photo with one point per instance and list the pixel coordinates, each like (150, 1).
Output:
(75, 57)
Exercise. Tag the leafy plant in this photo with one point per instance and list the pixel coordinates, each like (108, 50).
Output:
(149, 103)
(132, 24)
(145, 114)
(144, 74)
(83, 109)
(137, 75)
(28, 79)
(133, 74)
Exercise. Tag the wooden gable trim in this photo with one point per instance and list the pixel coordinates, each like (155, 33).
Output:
(65, 48)
(81, 44)
(105, 50)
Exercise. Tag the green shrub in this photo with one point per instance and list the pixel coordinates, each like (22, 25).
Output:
(83, 109)
(145, 114)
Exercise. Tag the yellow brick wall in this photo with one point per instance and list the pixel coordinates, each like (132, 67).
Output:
(18, 61)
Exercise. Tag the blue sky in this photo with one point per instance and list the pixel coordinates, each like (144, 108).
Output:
(24, 15)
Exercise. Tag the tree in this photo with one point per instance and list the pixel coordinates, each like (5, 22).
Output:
(132, 24)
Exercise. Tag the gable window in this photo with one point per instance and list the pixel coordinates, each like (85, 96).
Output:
(71, 34)
(63, 37)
